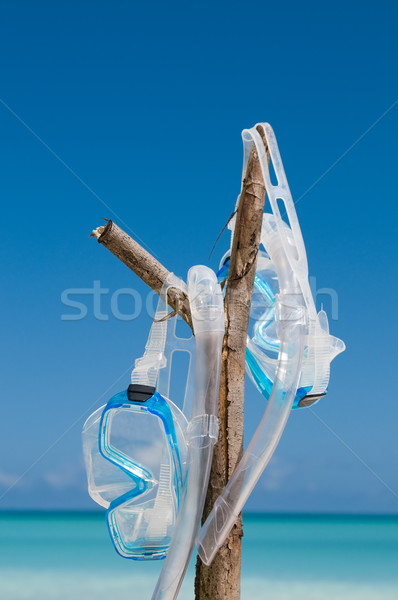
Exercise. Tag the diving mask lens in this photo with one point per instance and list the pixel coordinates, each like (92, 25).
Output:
(105, 481)
(145, 440)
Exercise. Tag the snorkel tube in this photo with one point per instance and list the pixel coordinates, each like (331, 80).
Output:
(305, 347)
(207, 310)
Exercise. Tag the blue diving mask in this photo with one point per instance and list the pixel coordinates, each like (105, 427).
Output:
(147, 460)
(263, 342)
(135, 447)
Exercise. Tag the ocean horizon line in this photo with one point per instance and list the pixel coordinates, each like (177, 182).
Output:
(250, 513)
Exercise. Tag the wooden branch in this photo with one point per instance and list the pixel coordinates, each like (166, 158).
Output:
(143, 264)
(221, 580)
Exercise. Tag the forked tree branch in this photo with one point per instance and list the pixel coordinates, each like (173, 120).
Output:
(220, 581)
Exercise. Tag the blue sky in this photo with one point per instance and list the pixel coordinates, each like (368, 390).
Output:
(134, 111)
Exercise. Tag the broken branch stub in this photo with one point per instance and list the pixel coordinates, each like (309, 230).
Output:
(143, 264)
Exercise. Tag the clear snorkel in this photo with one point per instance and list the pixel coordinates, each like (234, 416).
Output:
(289, 349)
(207, 310)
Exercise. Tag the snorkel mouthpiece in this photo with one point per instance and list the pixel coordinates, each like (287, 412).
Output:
(205, 299)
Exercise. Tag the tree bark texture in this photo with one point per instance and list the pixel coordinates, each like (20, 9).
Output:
(221, 580)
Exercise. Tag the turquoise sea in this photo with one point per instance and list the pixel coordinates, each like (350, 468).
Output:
(68, 556)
